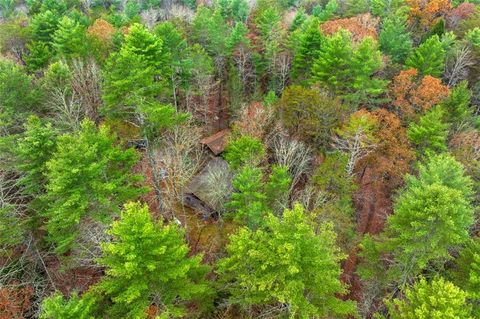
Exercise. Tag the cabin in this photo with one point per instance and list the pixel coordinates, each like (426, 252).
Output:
(197, 191)
(217, 142)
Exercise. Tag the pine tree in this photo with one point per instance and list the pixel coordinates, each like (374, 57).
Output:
(432, 215)
(56, 307)
(287, 263)
(428, 58)
(437, 299)
(33, 151)
(147, 262)
(430, 133)
(466, 273)
(131, 75)
(69, 39)
(245, 150)
(332, 67)
(348, 72)
(44, 26)
(457, 106)
(144, 44)
(248, 202)
(394, 38)
(311, 40)
(88, 176)
(364, 87)
(277, 188)
(18, 94)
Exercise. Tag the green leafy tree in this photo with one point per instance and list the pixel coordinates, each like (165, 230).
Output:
(147, 262)
(432, 215)
(245, 150)
(385, 7)
(7, 8)
(178, 63)
(69, 39)
(131, 75)
(428, 58)
(394, 38)
(76, 307)
(437, 299)
(88, 176)
(287, 263)
(430, 133)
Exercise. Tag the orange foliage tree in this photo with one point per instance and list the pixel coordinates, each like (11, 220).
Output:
(361, 26)
(412, 95)
(426, 13)
(100, 34)
(15, 301)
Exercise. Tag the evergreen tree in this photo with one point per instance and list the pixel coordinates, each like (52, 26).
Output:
(437, 299)
(428, 58)
(147, 262)
(56, 307)
(364, 87)
(18, 94)
(69, 39)
(44, 26)
(332, 67)
(244, 150)
(131, 75)
(348, 72)
(33, 151)
(286, 263)
(432, 215)
(308, 50)
(457, 106)
(466, 273)
(210, 30)
(88, 176)
(38, 56)
(248, 202)
(430, 133)
(277, 188)
(309, 114)
(394, 38)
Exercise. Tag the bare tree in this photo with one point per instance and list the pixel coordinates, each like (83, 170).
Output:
(293, 154)
(357, 144)
(65, 108)
(179, 159)
(457, 65)
(85, 82)
(150, 17)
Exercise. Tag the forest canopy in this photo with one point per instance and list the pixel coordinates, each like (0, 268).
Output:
(239, 159)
